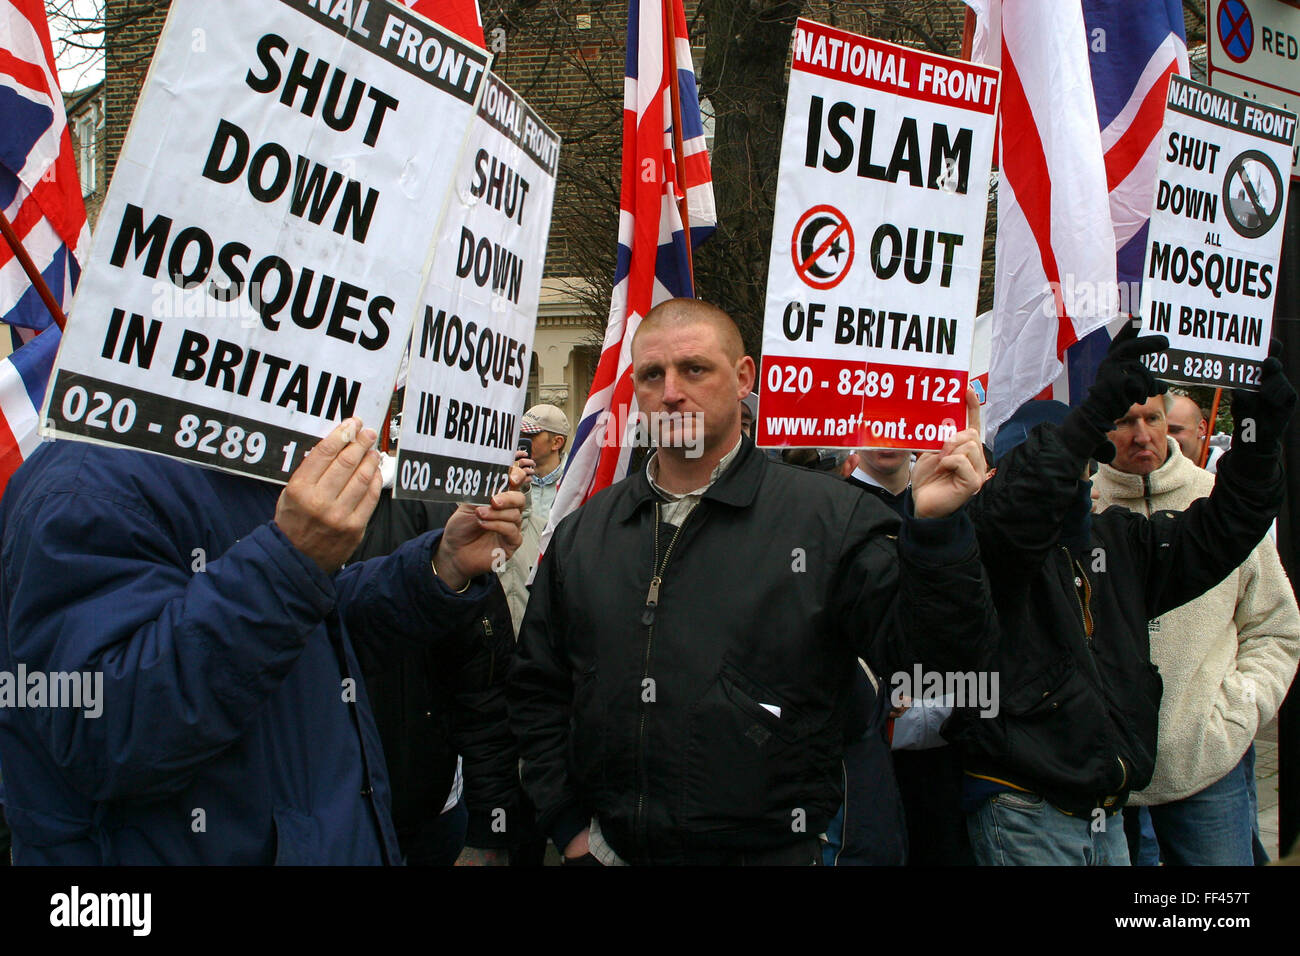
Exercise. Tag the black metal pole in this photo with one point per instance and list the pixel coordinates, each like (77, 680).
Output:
(1286, 326)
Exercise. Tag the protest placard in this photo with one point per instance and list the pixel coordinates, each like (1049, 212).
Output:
(876, 244)
(471, 349)
(262, 249)
(1210, 279)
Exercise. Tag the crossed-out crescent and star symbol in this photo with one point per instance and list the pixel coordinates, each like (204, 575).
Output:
(822, 247)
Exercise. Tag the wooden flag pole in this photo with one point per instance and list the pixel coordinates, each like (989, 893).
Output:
(33, 273)
(968, 34)
(670, 66)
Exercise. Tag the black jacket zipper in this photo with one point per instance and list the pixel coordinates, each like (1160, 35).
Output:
(1083, 594)
(657, 569)
(1081, 584)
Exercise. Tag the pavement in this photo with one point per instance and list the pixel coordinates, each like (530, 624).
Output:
(1266, 784)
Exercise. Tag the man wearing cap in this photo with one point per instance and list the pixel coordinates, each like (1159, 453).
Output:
(547, 428)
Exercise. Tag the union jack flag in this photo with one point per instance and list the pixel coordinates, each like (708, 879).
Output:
(1134, 50)
(665, 163)
(1077, 172)
(461, 17)
(41, 197)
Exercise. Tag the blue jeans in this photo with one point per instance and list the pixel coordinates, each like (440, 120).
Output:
(1023, 829)
(1218, 826)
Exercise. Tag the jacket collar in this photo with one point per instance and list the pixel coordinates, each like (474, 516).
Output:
(1176, 471)
(737, 486)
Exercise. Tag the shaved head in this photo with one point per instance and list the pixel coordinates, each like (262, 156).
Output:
(1187, 426)
(682, 312)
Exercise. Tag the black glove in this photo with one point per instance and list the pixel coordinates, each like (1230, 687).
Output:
(1123, 380)
(1260, 418)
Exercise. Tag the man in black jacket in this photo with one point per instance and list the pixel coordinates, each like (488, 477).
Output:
(1076, 729)
(683, 671)
(436, 704)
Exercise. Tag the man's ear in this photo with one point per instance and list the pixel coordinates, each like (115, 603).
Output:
(563, 440)
(745, 374)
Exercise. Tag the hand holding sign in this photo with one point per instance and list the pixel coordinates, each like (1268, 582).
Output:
(474, 537)
(1260, 418)
(943, 481)
(324, 508)
(1123, 379)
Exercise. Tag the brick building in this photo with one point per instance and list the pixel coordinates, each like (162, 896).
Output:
(86, 124)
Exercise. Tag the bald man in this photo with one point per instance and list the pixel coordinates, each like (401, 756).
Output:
(684, 667)
(1187, 426)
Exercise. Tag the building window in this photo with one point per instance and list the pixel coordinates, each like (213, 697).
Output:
(85, 127)
(708, 120)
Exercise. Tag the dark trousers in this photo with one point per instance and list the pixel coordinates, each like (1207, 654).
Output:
(438, 841)
(930, 783)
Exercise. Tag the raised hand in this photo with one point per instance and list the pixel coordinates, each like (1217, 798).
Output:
(943, 481)
(324, 508)
(1260, 418)
(1123, 379)
(475, 537)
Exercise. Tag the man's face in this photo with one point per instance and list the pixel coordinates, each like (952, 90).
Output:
(885, 461)
(546, 446)
(682, 368)
(1139, 437)
(746, 420)
(1187, 427)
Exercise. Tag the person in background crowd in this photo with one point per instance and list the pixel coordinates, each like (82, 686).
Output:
(546, 428)
(749, 414)
(1186, 424)
(1076, 728)
(927, 769)
(1226, 659)
(682, 679)
(233, 725)
(885, 473)
(442, 718)
(869, 829)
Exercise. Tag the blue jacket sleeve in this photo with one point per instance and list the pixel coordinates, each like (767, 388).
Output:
(394, 604)
(187, 657)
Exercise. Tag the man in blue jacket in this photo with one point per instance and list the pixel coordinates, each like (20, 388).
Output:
(233, 725)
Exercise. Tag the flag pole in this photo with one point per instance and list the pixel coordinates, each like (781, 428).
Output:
(968, 34)
(1209, 431)
(38, 281)
(675, 94)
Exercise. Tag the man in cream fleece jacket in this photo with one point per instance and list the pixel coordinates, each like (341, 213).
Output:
(1226, 658)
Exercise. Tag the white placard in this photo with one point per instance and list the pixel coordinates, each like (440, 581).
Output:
(1210, 278)
(471, 349)
(876, 244)
(262, 249)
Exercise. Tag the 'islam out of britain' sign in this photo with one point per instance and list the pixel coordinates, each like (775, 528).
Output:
(262, 250)
(1210, 280)
(471, 349)
(876, 244)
